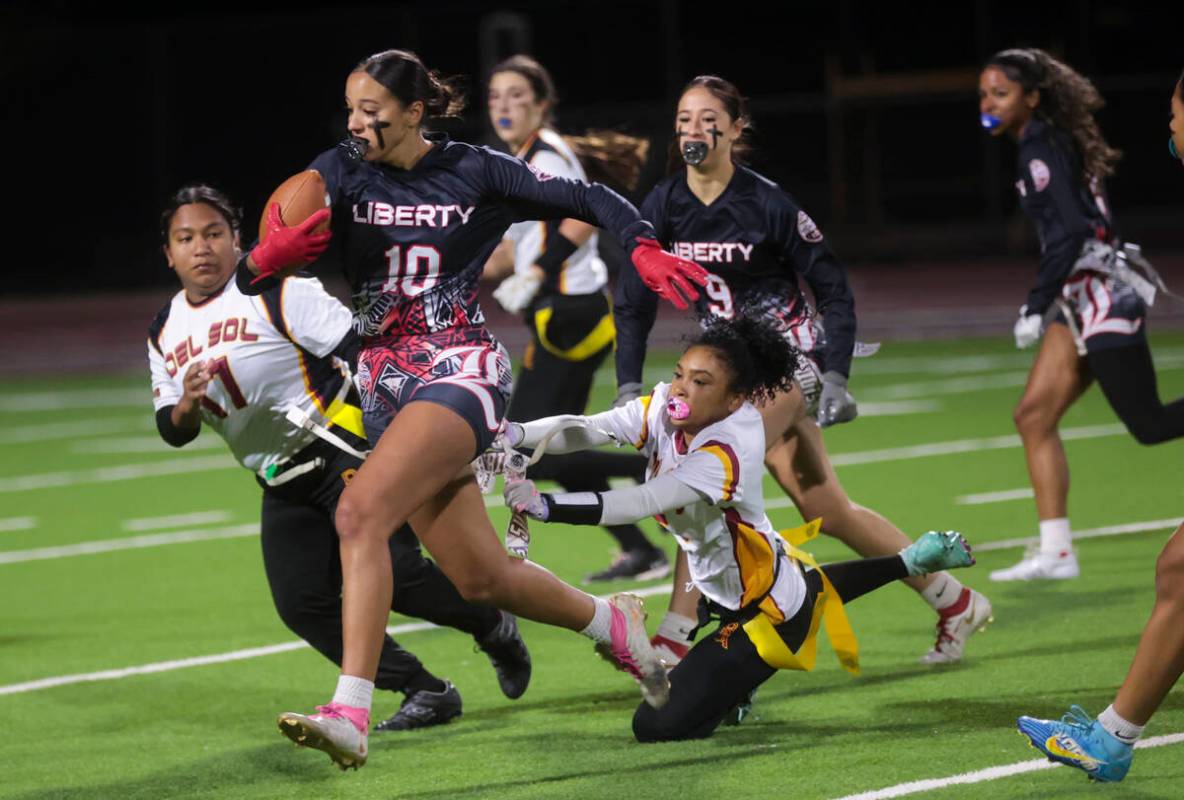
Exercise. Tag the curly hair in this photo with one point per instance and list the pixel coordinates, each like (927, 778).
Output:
(1068, 101)
(762, 361)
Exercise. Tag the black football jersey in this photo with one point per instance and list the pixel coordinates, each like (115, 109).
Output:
(413, 242)
(757, 242)
(1065, 210)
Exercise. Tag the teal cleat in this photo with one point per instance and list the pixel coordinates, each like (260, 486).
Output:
(935, 551)
(1079, 741)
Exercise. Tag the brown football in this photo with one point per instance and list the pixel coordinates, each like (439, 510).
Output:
(299, 197)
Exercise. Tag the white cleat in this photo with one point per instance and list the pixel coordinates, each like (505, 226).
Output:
(1039, 565)
(631, 651)
(971, 612)
(328, 730)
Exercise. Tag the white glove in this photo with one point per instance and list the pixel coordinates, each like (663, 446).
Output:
(523, 496)
(516, 291)
(1028, 328)
(836, 404)
(627, 393)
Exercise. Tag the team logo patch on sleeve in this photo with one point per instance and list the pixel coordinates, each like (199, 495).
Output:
(538, 173)
(808, 230)
(1040, 174)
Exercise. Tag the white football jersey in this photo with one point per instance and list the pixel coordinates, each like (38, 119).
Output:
(730, 544)
(584, 271)
(268, 353)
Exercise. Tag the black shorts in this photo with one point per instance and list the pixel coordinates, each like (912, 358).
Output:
(1107, 313)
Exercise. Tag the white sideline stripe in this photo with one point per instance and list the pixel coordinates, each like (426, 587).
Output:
(25, 434)
(143, 444)
(183, 663)
(965, 446)
(222, 658)
(1090, 533)
(891, 408)
(177, 520)
(994, 497)
(990, 773)
(122, 472)
(18, 523)
(83, 398)
(128, 543)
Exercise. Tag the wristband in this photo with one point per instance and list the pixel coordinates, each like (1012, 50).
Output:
(559, 249)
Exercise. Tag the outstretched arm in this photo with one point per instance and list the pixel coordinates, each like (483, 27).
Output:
(614, 507)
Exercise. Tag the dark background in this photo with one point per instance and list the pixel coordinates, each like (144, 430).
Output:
(867, 112)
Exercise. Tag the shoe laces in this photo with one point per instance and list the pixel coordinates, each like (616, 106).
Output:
(331, 710)
(1078, 720)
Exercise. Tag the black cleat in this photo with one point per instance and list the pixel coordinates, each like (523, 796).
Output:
(424, 709)
(639, 565)
(508, 655)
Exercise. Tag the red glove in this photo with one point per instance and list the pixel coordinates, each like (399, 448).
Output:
(287, 247)
(666, 274)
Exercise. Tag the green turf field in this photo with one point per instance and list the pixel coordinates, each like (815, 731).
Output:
(81, 464)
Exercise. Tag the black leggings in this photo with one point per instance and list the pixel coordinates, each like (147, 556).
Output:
(1127, 378)
(721, 669)
(303, 566)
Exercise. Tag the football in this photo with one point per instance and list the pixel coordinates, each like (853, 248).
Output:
(299, 197)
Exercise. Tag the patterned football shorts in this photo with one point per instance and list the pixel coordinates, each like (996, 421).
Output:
(1106, 313)
(465, 370)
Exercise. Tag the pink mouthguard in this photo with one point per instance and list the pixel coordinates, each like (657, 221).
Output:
(677, 409)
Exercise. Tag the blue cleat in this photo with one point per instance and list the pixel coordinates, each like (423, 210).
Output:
(934, 552)
(1079, 741)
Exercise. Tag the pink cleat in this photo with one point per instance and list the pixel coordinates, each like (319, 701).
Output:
(631, 650)
(340, 731)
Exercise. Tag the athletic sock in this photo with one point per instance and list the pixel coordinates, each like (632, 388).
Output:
(354, 692)
(943, 592)
(599, 629)
(424, 681)
(1055, 536)
(677, 628)
(1122, 730)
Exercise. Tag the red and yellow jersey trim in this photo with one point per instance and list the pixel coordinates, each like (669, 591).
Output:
(645, 421)
(731, 464)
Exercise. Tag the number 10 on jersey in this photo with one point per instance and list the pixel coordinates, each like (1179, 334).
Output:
(413, 273)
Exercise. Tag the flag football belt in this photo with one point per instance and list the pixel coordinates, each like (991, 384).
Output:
(828, 613)
(600, 337)
(1125, 264)
(340, 413)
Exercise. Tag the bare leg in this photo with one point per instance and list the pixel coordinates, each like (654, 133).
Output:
(1159, 659)
(796, 457)
(1059, 376)
(416, 461)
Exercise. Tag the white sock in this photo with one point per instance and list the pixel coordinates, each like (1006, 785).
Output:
(1055, 537)
(599, 629)
(354, 691)
(943, 592)
(677, 628)
(1123, 731)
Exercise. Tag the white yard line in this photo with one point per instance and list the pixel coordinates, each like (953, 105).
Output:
(648, 591)
(128, 543)
(964, 446)
(18, 524)
(994, 497)
(1089, 533)
(222, 658)
(991, 773)
(83, 398)
(25, 434)
(121, 472)
(177, 520)
(892, 408)
(143, 444)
